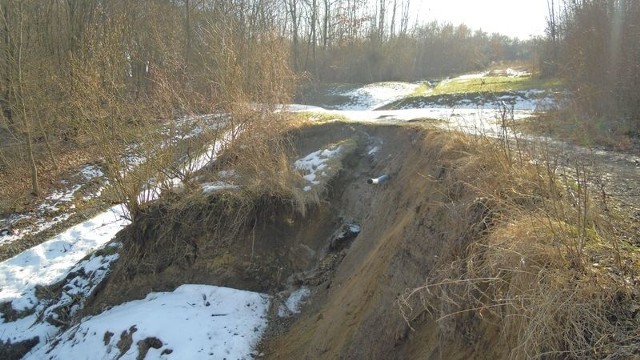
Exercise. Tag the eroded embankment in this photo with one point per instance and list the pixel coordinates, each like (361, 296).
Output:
(429, 208)
(499, 241)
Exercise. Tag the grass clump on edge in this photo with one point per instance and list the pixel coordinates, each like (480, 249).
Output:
(171, 230)
(493, 84)
(320, 117)
(542, 267)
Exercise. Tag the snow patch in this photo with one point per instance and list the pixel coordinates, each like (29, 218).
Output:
(212, 187)
(91, 172)
(516, 73)
(192, 322)
(50, 261)
(375, 95)
(78, 284)
(315, 164)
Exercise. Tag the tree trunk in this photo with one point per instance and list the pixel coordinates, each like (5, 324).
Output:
(5, 101)
(35, 186)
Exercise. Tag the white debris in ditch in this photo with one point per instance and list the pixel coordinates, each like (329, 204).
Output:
(192, 322)
(314, 165)
(294, 301)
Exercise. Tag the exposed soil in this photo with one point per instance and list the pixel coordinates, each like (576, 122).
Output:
(354, 312)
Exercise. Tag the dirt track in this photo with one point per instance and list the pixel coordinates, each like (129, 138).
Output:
(613, 177)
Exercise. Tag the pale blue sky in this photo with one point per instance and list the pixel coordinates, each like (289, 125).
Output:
(517, 18)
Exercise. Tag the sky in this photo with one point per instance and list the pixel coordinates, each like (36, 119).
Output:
(515, 18)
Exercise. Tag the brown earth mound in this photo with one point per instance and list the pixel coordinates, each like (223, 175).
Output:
(455, 211)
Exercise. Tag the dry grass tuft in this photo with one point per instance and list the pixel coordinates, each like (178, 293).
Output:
(261, 157)
(266, 190)
(522, 243)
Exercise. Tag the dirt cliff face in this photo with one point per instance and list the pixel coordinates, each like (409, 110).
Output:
(406, 224)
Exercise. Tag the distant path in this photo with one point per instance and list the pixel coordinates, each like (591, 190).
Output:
(614, 178)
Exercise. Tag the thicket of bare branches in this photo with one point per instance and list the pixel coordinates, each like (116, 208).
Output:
(111, 73)
(595, 46)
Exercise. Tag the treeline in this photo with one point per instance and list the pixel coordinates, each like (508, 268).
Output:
(366, 41)
(595, 46)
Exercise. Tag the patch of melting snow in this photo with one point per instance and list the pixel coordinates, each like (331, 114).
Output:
(192, 322)
(54, 199)
(77, 285)
(212, 187)
(52, 260)
(293, 303)
(315, 164)
(375, 95)
(91, 171)
(469, 76)
(41, 219)
(516, 73)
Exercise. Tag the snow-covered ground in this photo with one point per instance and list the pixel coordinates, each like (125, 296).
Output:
(55, 208)
(71, 261)
(59, 205)
(192, 322)
(372, 96)
(59, 259)
(50, 261)
(474, 120)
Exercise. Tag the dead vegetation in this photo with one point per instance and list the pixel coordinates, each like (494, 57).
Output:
(547, 271)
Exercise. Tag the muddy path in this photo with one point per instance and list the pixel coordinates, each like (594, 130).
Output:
(612, 177)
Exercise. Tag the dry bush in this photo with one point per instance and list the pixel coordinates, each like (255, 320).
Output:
(261, 157)
(599, 49)
(267, 190)
(523, 244)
